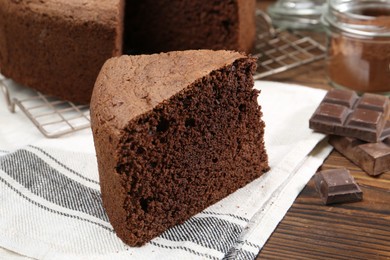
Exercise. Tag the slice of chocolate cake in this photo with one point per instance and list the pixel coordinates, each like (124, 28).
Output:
(174, 133)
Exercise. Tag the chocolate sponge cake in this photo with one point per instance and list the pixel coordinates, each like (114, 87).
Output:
(174, 133)
(59, 46)
(171, 25)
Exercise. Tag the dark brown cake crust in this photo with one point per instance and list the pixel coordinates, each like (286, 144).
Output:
(58, 47)
(165, 25)
(164, 156)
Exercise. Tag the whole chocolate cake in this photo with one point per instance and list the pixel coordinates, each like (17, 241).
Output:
(58, 46)
(167, 25)
(174, 133)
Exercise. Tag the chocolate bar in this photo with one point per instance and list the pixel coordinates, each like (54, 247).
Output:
(342, 112)
(373, 158)
(337, 186)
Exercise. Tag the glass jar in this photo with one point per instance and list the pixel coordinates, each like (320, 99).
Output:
(358, 46)
(297, 14)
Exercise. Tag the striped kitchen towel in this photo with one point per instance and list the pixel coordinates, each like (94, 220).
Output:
(50, 204)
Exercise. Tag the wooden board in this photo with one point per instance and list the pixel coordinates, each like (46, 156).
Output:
(358, 230)
(311, 230)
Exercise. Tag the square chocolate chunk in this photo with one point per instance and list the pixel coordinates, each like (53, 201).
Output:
(373, 102)
(373, 158)
(337, 186)
(345, 98)
(343, 113)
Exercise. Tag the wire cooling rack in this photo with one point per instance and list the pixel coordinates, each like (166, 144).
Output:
(276, 50)
(51, 116)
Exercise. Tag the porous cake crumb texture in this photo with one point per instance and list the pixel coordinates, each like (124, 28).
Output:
(192, 151)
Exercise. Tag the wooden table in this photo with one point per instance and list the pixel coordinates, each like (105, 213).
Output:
(311, 230)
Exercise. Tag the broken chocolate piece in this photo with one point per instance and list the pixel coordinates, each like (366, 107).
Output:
(337, 186)
(373, 158)
(343, 113)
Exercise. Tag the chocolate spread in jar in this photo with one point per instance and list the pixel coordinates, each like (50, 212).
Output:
(359, 62)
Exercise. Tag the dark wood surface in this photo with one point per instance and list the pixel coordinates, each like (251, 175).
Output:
(311, 230)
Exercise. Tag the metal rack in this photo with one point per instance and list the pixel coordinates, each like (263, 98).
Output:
(51, 116)
(279, 50)
(276, 50)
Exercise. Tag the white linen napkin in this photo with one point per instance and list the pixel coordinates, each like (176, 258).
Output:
(50, 205)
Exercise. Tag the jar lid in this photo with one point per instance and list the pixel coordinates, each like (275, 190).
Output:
(366, 18)
(297, 14)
